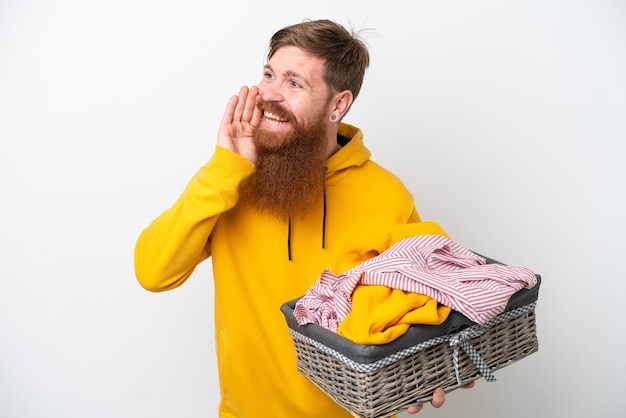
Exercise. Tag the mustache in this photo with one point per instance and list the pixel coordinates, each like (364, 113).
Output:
(278, 110)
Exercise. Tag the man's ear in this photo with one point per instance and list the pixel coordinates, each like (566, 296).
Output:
(342, 102)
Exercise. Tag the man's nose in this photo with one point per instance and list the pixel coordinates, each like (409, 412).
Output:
(271, 93)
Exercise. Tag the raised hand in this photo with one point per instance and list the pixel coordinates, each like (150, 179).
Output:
(241, 118)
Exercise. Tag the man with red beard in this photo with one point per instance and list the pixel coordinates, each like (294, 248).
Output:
(290, 162)
(289, 191)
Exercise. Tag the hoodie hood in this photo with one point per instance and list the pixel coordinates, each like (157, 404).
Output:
(353, 153)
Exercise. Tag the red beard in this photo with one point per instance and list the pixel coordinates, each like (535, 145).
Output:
(290, 168)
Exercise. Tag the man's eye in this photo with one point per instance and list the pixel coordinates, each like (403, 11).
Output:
(268, 75)
(294, 84)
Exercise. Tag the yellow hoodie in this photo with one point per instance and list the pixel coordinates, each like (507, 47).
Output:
(253, 275)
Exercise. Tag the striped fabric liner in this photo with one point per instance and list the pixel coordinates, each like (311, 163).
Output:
(432, 265)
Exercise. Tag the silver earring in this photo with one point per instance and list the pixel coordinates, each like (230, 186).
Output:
(334, 117)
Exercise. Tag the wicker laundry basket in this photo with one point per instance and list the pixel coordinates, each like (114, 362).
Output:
(377, 381)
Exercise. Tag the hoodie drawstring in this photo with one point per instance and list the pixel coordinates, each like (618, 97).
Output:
(323, 229)
(324, 220)
(289, 239)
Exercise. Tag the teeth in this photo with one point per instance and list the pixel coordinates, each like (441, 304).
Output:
(274, 122)
(274, 118)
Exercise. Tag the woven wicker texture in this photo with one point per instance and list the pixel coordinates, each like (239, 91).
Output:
(412, 379)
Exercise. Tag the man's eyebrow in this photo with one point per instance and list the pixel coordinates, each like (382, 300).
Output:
(289, 73)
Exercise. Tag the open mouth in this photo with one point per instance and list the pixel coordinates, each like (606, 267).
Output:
(274, 119)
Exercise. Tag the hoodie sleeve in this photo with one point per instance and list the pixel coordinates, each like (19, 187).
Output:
(169, 249)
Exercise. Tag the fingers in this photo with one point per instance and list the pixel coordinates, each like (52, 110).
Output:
(242, 109)
(241, 104)
(469, 385)
(256, 113)
(245, 109)
(230, 110)
(250, 104)
(414, 409)
(439, 397)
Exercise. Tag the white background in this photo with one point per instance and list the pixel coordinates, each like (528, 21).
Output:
(505, 119)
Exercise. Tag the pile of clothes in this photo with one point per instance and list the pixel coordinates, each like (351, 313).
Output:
(413, 275)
